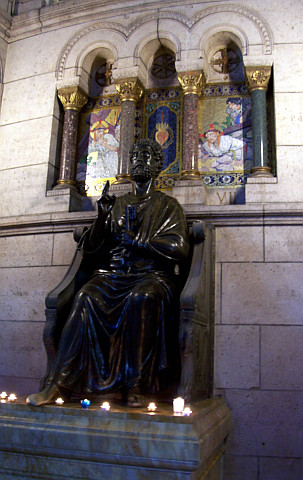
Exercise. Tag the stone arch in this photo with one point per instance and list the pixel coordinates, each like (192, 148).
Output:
(162, 16)
(132, 36)
(149, 45)
(147, 48)
(258, 30)
(88, 39)
(211, 37)
(258, 34)
(87, 56)
(90, 56)
(216, 39)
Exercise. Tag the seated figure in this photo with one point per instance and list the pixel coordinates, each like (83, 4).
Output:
(120, 333)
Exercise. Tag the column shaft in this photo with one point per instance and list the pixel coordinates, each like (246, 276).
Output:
(67, 175)
(259, 128)
(190, 135)
(192, 84)
(127, 126)
(130, 90)
(258, 79)
(72, 99)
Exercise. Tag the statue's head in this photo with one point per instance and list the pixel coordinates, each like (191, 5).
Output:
(146, 158)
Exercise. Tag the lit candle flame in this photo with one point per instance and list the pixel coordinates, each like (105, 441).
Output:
(152, 407)
(59, 401)
(105, 406)
(187, 411)
(3, 395)
(12, 397)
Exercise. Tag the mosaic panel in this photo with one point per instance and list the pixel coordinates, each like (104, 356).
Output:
(225, 141)
(163, 122)
(99, 144)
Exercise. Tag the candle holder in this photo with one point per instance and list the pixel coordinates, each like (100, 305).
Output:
(59, 401)
(85, 403)
(105, 406)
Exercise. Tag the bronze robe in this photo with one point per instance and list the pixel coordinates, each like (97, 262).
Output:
(121, 331)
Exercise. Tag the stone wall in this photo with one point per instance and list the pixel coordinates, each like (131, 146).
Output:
(258, 344)
(34, 256)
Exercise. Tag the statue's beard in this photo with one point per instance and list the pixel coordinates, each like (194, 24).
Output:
(141, 173)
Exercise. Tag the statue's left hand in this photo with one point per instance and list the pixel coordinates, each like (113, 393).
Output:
(128, 238)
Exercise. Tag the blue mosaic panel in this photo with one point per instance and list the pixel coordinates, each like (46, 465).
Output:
(163, 123)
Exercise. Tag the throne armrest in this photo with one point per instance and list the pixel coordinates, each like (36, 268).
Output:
(189, 289)
(59, 301)
(68, 286)
(196, 312)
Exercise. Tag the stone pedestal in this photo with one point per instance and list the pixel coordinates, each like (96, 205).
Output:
(68, 200)
(189, 192)
(68, 442)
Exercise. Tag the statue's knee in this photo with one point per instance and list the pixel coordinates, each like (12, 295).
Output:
(142, 297)
(144, 305)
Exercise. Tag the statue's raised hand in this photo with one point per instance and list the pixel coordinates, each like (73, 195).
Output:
(105, 202)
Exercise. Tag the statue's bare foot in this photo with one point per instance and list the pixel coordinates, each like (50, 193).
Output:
(135, 398)
(48, 395)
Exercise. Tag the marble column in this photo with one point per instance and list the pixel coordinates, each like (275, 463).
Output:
(257, 80)
(72, 99)
(192, 84)
(130, 90)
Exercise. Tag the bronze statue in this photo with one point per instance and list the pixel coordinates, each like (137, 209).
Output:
(121, 332)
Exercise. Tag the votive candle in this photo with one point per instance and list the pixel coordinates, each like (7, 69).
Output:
(178, 405)
(187, 411)
(12, 397)
(152, 407)
(85, 403)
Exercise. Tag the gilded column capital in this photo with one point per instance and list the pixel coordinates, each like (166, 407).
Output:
(258, 77)
(192, 82)
(72, 98)
(129, 89)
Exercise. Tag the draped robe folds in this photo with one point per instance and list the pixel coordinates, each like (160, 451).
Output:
(120, 331)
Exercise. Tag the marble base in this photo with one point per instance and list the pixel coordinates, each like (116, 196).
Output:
(225, 196)
(69, 442)
(69, 200)
(189, 192)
